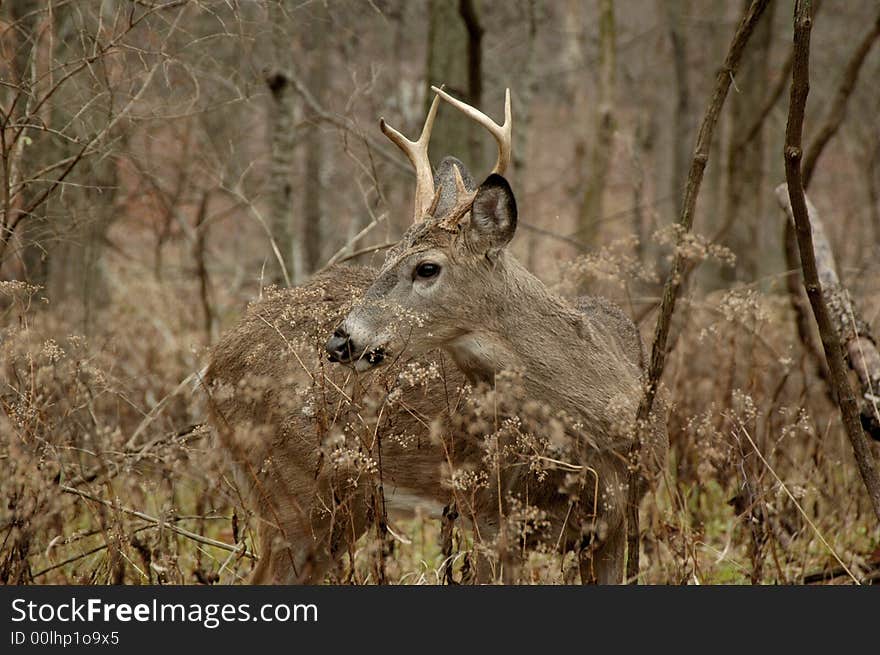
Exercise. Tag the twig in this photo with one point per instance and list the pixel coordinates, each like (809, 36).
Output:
(76, 558)
(674, 279)
(695, 178)
(800, 86)
(153, 520)
(797, 504)
(159, 407)
(769, 103)
(826, 131)
(580, 245)
(799, 303)
(238, 195)
(342, 122)
(136, 453)
(199, 248)
(837, 112)
(839, 572)
(340, 254)
(366, 251)
(9, 224)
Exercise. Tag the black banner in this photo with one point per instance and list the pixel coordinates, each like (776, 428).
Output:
(231, 619)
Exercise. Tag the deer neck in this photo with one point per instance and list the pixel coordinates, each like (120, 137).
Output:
(564, 357)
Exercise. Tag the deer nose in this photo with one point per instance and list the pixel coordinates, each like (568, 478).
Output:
(340, 347)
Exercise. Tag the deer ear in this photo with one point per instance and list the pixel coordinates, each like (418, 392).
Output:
(493, 216)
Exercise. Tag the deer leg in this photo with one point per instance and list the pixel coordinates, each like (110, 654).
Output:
(608, 558)
(586, 566)
(601, 556)
(302, 551)
(285, 557)
(585, 552)
(602, 561)
(260, 574)
(289, 557)
(486, 548)
(602, 545)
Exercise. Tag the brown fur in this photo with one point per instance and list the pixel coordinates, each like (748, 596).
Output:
(280, 451)
(277, 407)
(560, 384)
(491, 315)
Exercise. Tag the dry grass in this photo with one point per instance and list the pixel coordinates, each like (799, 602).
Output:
(139, 176)
(760, 485)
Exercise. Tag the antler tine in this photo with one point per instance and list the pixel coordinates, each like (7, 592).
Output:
(502, 133)
(417, 152)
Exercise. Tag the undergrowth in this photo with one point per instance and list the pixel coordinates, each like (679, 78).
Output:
(111, 475)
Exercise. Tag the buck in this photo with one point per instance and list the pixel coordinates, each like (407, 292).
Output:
(449, 290)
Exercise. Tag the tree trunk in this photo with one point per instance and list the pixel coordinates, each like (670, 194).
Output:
(592, 203)
(831, 342)
(872, 179)
(681, 148)
(75, 273)
(61, 241)
(454, 61)
(310, 227)
(642, 149)
(524, 126)
(837, 112)
(282, 141)
(32, 229)
(526, 92)
(744, 200)
(468, 10)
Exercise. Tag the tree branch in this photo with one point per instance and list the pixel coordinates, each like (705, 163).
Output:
(859, 344)
(679, 263)
(772, 98)
(800, 86)
(692, 190)
(342, 122)
(826, 131)
(838, 107)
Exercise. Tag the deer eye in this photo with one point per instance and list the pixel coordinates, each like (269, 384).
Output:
(427, 270)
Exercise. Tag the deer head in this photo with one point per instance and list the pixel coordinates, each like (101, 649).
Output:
(446, 273)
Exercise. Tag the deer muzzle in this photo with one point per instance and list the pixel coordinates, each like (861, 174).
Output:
(341, 348)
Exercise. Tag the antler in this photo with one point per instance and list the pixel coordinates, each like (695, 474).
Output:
(502, 133)
(417, 151)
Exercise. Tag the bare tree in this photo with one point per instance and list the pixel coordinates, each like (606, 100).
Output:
(596, 180)
(314, 41)
(837, 111)
(676, 10)
(455, 60)
(282, 141)
(800, 84)
(833, 119)
(52, 139)
(675, 278)
(744, 202)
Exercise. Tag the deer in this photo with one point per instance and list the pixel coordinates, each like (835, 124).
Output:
(450, 296)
